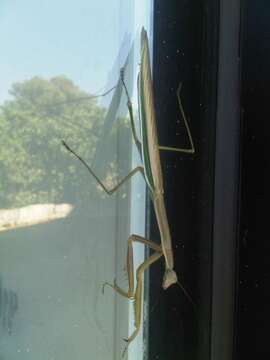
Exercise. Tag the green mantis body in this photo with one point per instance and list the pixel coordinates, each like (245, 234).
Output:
(151, 170)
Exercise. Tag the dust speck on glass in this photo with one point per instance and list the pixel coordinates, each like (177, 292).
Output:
(61, 235)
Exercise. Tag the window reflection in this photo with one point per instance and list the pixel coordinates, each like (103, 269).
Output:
(61, 236)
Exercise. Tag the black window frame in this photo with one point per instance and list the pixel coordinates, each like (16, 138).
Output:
(201, 191)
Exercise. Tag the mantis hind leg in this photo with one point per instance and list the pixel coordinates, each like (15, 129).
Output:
(130, 110)
(191, 149)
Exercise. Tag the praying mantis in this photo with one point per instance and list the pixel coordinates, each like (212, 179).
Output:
(148, 148)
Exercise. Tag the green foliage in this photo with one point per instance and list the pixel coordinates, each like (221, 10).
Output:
(34, 166)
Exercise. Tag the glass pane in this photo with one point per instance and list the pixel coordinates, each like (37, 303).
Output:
(61, 235)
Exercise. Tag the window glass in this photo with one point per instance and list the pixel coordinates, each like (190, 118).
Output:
(61, 235)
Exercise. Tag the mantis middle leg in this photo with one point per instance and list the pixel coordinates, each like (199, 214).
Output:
(117, 186)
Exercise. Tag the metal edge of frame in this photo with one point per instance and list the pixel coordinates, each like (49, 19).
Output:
(226, 183)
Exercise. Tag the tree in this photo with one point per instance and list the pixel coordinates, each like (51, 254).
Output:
(35, 167)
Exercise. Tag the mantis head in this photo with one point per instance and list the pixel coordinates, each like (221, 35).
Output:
(169, 278)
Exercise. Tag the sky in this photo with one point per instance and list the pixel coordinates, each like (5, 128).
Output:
(80, 39)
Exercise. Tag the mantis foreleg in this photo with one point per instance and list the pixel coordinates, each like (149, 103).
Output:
(130, 269)
(136, 295)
